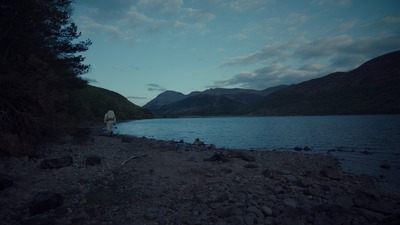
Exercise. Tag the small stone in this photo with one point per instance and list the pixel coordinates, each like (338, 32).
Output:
(366, 152)
(56, 163)
(197, 142)
(242, 155)
(385, 166)
(236, 220)
(192, 159)
(290, 202)
(250, 166)
(217, 157)
(212, 147)
(222, 212)
(266, 210)
(215, 205)
(279, 189)
(322, 219)
(269, 173)
(255, 210)
(61, 210)
(249, 218)
(38, 221)
(126, 139)
(236, 211)
(226, 170)
(93, 160)
(298, 148)
(45, 201)
(150, 214)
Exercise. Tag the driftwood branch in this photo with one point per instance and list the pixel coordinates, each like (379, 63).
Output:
(131, 158)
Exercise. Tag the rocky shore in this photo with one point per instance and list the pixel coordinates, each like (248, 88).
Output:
(130, 180)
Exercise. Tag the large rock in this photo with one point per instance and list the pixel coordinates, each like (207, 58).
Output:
(334, 173)
(298, 148)
(56, 163)
(197, 142)
(269, 173)
(217, 157)
(5, 181)
(45, 201)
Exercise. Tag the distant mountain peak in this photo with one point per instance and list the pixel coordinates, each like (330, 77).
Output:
(177, 103)
(164, 98)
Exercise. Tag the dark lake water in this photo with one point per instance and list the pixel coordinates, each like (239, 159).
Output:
(362, 143)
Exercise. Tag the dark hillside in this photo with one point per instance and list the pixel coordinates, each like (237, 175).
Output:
(372, 88)
(91, 103)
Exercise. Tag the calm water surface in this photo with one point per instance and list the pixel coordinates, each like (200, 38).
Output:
(345, 137)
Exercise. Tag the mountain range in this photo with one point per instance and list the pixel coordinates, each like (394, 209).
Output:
(372, 88)
(211, 102)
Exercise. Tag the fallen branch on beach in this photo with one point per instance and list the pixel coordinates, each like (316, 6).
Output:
(131, 158)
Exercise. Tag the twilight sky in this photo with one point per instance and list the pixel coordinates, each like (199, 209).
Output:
(144, 47)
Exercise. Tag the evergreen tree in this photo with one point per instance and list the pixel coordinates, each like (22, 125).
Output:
(39, 63)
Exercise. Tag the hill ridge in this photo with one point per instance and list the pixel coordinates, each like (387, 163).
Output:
(371, 88)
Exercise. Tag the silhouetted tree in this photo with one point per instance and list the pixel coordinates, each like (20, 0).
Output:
(38, 65)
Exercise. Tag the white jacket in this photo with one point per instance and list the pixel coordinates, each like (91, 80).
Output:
(110, 116)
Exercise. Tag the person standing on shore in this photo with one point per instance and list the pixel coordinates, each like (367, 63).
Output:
(110, 120)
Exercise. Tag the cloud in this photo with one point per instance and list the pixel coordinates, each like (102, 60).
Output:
(91, 80)
(248, 31)
(190, 27)
(135, 20)
(389, 21)
(88, 25)
(165, 6)
(267, 54)
(338, 2)
(271, 75)
(344, 45)
(392, 20)
(297, 18)
(288, 63)
(136, 97)
(345, 26)
(239, 36)
(128, 20)
(197, 15)
(134, 67)
(244, 5)
(155, 87)
(105, 4)
(324, 48)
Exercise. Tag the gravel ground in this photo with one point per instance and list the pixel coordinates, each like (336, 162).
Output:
(131, 180)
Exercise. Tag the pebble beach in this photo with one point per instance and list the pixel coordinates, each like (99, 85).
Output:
(135, 180)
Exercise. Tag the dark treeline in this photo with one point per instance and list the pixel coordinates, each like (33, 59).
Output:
(39, 65)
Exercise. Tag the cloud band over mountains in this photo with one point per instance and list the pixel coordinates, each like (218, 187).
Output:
(252, 44)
